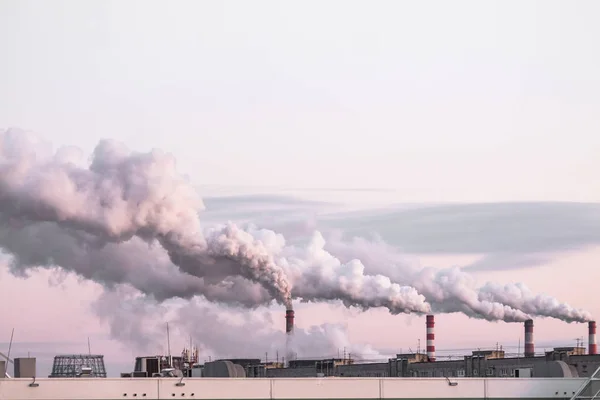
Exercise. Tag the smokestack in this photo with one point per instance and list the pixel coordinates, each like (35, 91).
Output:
(289, 321)
(430, 338)
(529, 348)
(593, 347)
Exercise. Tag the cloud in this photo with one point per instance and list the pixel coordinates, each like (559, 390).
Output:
(508, 236)
(507, 262)
(511, 235)
(140, 321)
(503, 229)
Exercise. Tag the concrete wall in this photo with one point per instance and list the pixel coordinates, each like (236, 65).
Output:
(2, 369)
(541, 367)
(303, 372)
(281, 389)
(375, 370)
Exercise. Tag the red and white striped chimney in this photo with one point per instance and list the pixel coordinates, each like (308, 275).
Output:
(430, 338)
(289, 321)
(593, 347)
(529, 348)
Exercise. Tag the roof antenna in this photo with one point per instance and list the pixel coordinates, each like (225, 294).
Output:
(8, 360)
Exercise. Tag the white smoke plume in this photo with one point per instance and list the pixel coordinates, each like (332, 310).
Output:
(146, 268)
(518, 295)
(122, 195)
(451, 290)
(317, 275)
(140, 322)
(105, 209)
(104, 221)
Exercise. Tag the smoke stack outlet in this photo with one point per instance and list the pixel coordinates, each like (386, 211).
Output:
(593, 347)
(529, 347)
(430, 338)
(289, 321)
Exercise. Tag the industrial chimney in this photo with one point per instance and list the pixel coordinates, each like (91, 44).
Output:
(593, 347)
(529, 348)
(430, 338)
(289, 321)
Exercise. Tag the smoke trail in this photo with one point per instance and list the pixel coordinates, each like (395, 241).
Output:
(120, 196)
(146, 268)
(518, 295)
(317, 275)
(123, 197)
(451, 290)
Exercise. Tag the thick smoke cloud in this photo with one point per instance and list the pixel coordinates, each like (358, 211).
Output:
(453, 290)
(140, 322)
(131, 218)
(125, 197)
(122, 195)
(318, 275)
(146, 268)
(518, 295)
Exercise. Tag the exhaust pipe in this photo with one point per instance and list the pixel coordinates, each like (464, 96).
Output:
(529, 348)
(289, 321)
(430, 338)
(593, 347)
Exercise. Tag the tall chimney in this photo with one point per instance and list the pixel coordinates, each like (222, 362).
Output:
(529, 348)
(430, 338)
(593, 347)
(289, 321)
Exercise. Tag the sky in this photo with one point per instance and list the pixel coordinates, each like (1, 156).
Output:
(462, 134)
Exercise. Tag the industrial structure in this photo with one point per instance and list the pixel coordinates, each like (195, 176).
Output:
(529, 347)
(560, 362)
(430, 338)
(593, 346)
(289, 321)
(563, 362)
(78, 365)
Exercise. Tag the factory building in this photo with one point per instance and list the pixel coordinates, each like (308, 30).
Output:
(560, 362)
(556, 363)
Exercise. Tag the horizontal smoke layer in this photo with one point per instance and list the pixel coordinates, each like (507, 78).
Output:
(451, 290)
(107, 211)
(518, 295)
(120, 196)
(131, 218)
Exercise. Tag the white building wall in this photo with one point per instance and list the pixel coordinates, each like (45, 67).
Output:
(284, 388)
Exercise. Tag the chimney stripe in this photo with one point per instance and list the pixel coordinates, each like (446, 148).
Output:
(430, 324)
(529, 345)
(289, 321)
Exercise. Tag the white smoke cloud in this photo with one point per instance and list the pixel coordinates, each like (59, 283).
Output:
(518, 295)
(131, 218)
(218, 331)
(451, 290)
(122, 195)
